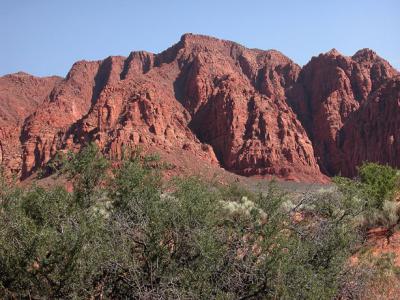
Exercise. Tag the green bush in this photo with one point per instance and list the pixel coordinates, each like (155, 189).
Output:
(125, 234)
(374, 194)
(49, 246)
(379, 183)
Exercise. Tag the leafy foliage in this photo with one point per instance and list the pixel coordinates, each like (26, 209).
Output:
(127, 234)
(374, 193)
(379, 182)
(49, 246)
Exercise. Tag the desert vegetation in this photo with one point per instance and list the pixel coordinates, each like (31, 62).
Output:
(124, 232)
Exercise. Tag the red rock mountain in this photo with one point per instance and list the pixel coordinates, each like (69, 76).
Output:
(250, 111)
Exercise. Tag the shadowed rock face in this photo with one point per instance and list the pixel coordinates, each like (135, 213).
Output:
(372, 133)
(329, 90)
(252, 112)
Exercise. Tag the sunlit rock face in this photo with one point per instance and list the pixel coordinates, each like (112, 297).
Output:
(249, 111)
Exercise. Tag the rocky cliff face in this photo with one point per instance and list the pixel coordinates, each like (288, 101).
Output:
(20, 95)
(373, 132)
(252, 112)
(329, 90)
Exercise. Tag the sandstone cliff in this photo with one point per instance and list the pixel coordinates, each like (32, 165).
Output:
(249, 111)
(20, 95)
(330, 88)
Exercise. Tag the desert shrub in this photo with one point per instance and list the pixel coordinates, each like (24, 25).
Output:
(373, 276)
(374, 192)
(326, 237)
(87, 170)
(189, 241)
(53, 243)
(49, 246)
(379, 183)
(386, 282)
(124, 233)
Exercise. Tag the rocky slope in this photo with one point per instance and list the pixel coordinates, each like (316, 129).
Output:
(249, 111)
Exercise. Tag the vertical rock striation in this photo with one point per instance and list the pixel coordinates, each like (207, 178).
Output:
(250, 111)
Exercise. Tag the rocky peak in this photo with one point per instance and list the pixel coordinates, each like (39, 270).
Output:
(330, 89)
(190, 38)
(198, 41)
(371, 60)
(138, 62)
(365, 54)
(20, 74)
(333, 52)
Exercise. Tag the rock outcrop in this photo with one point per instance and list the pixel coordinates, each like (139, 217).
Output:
(372, 133)
(249, 111)
(20, 95)
(330, 88)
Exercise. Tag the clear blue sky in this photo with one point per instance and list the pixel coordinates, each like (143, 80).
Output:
(45, 37)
